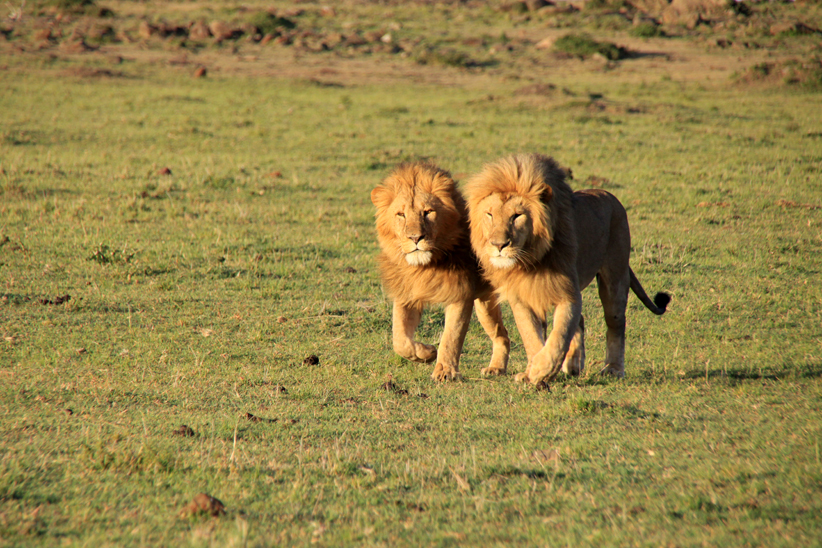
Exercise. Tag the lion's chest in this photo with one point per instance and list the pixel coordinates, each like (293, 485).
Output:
(437, 284)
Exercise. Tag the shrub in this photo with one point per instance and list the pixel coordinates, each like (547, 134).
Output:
(582, 46)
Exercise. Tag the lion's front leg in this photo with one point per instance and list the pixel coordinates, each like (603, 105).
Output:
(457, 318)
(531, 327)
(405, 321)
(548, 361)
(489, 314)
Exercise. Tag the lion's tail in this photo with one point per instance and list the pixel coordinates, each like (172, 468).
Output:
(660, 302)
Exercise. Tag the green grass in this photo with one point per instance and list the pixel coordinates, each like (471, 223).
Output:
(196, 294)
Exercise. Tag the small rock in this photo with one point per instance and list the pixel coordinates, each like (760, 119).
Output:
(220, 30)
(205, 504)
(390, 386)
(199, 32)
(184, 431)
(311, 360)
(255, 418)
(200, 72)
(534, 5)
(145, 30)
(164, 171)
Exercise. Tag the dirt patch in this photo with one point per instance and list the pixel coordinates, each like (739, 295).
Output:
(92, 72)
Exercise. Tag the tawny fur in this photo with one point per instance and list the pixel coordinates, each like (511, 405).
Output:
(420, 213)
(540, 244)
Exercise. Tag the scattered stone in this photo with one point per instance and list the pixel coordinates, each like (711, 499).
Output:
(76, 46)
(534, 5)
(199, 32)
(164, 171)
(99, 32)
(57, 300)
(791, 203)
(350, 270)
(81, 351)
(42, 35)
(205, 504)
(792, 27)
(282, 319)
(311, 360)
(692, 12)
(68, 411)
(184, 431)
(537, 89)
(391, 386)
(255, 418)
(200, 72)
(221, 30)
(145, 30)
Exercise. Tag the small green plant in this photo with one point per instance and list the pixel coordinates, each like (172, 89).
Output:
(268, 23)
(646, 29)
(583, 46)
(444, 56)
(105, 255)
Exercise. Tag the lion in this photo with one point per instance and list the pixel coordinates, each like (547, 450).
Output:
(540, 244)
(426, 258)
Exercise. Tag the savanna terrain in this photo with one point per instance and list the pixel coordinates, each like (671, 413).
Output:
(190, 303)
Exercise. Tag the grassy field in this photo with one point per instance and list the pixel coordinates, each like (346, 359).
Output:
(174, 249)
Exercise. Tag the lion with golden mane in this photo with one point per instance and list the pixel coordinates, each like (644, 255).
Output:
(540, 244)
(426, 258)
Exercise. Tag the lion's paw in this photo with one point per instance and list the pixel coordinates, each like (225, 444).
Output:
(445, 373)
(521, 377)
(425, 352)
(492, 371)
(614, 370)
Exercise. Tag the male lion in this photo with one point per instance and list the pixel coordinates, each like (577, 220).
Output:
(540, 244)
(426, 258)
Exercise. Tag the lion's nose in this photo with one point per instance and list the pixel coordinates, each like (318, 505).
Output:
(501, 245)
(416, 238)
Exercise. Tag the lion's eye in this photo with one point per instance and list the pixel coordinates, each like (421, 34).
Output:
(401, 214)
(489, 216)
(428, 212)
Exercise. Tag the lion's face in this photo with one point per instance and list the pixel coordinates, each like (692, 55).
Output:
(414, 224)
(503, 230)
(417, 218)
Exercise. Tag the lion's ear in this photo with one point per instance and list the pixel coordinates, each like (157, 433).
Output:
(381, 197)
(547, 195)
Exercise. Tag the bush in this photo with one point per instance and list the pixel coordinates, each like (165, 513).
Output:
(646, 29)
(268, 23)
(583, 47)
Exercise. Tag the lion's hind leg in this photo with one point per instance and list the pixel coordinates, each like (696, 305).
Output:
(574, 362)
(614, 297)
(405, 321)
(489, 315)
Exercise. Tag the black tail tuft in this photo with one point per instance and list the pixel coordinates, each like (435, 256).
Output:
(661, 300)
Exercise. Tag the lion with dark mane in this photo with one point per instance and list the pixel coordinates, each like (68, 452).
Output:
(540, 244)
(426, 258)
